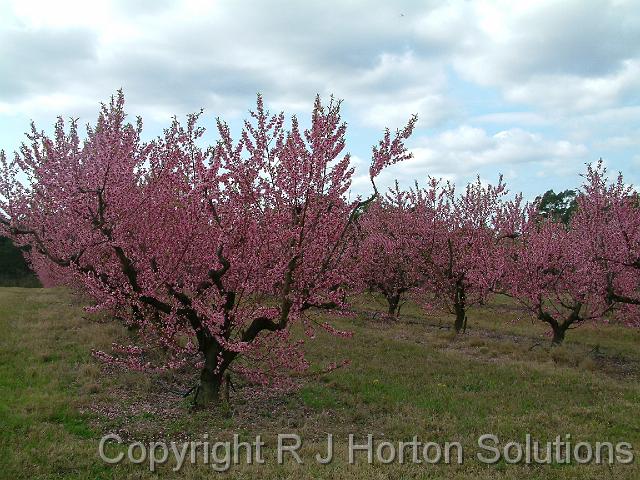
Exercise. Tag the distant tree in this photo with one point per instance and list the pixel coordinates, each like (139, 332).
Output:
(552, 276)
(587, 269)
(463, 263)
(557, 206)
(13, 267)
(390, 247)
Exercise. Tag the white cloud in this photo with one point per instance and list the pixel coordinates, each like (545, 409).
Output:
(556, 56)
(192, 54)
(518, 118)
(463, 151)
(576, 93)
(620, 141)
(570, 55)
(558, 80)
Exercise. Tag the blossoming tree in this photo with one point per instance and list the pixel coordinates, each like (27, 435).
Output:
(608, 217)
(463, 265)
(551, 275)
(389, 253)
(211, 252)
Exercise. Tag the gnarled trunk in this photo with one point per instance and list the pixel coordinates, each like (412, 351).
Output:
(559, 331)
(210, 391)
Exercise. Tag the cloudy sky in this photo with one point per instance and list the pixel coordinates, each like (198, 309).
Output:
(533, 90)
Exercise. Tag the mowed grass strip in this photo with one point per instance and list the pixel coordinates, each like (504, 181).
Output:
(404, 379)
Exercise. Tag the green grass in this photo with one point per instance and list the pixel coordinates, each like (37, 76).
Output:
(407, 378)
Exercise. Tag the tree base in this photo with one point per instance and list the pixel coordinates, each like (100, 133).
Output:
(214, 393)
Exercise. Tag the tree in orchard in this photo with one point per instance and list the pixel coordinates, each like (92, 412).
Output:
(608, 216)
(390, 246)
(552, 275)
(212, 253)
(462, 265)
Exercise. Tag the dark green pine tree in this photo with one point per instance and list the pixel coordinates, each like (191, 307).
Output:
(558, 206)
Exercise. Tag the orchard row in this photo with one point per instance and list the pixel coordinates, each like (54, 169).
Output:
(213, 253)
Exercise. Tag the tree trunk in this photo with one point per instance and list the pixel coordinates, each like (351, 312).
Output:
(559, 330)
(459, 306)
(394, 304)
(461, 319)
(209, 391)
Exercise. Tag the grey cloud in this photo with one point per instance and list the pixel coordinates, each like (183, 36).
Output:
(155, 79)
(43, 60)
(385, 65)
(566, 56)
(569, 38)
(287, 50)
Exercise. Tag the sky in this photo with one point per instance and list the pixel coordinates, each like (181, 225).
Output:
(530, 90)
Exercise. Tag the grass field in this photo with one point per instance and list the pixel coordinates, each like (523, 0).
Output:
(412, 377)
